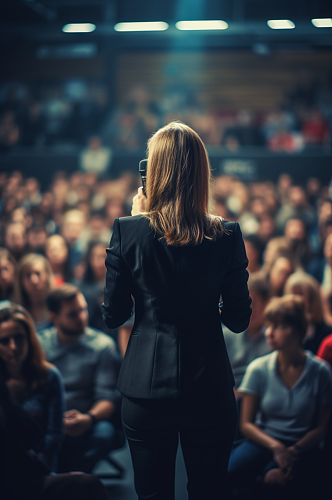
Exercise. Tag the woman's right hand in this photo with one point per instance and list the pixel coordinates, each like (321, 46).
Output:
(139, 203)
(283, 457)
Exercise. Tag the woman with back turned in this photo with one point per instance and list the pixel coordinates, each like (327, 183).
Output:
(176, 261)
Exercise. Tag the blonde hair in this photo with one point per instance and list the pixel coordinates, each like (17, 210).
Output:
(310, 290)
(178, 187)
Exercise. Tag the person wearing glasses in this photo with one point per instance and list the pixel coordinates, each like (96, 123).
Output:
(176, 261)
(33, 383)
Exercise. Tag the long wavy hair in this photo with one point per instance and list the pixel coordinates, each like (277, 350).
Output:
(178, 187)
(35, 367)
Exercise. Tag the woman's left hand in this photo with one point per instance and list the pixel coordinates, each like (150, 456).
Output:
(139, 203)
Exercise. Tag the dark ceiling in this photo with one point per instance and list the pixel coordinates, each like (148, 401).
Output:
(40, 21)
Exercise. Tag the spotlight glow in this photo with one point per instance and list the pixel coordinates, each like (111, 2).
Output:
(280, 24)
(322, 23)
(79, 28)
(201, 25)
(146, 26)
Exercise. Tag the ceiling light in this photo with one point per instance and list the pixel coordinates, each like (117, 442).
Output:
(281, 24)
(146, 26)
(201, 25)
(79, 28)
(322, 23)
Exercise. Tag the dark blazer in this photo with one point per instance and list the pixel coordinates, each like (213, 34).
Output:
(176, 348)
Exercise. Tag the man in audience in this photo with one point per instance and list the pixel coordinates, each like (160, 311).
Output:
(88, 362)
(244, 347)
(16, 239)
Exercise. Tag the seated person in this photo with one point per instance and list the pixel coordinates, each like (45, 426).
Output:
(286, 402)
(24, 475)
(32, 382)
(35, 281)
(244, 347)
(88, 362)
(301, 283)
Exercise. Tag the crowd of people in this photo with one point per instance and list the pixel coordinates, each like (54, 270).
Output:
(75, 111)
(59, 362)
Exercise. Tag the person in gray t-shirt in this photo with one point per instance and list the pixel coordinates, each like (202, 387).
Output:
(242, 348)
(286, 401)
(89, 364)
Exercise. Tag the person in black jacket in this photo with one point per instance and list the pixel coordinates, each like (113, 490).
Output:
(177, 261)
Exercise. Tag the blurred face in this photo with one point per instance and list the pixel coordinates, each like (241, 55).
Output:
(258, 305)
(37, 238)
(14, 345)
(72, 228)
(56, 249)
(73, 316)
(279, 274)
(15, 238)
(279, 336)
(252, 253)
(7, 273)
(328, 249)
(97, 260)
(295, 230)
(35, 279)
(297, 196)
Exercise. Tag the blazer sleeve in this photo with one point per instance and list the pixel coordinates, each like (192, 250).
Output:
(118, 304)
(236, 310)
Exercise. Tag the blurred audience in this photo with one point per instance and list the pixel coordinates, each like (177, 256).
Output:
(251, 344)
(35, 281)
(88, 362)
(57, 253)
(73, 112)
(32, 382)
(301, 283)
(286, 406)
(92, 284)
(8, 275)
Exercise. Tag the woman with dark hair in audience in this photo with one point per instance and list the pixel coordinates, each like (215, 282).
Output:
(57, 253)
(23, 474)
(92, 285)
(254, 249)
(301, 283)
(32, 382)
(8, 275)
(278, 274)
(35, 281)
(286, 402)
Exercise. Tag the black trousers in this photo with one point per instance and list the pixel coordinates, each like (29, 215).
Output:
(206, 432)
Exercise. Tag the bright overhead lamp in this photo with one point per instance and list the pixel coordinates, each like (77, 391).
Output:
(146, 26)
(201, 25)
(79, 28)
(322, 23)
(280, 24)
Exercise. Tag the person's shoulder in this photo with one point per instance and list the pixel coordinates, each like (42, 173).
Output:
(47, 334)
(132, 220)
(265, 362)
(54, 375)
(99, 340)
(318, 364)
(229, 226)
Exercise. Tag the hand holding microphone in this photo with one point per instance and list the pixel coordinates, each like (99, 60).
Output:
(139, 202)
